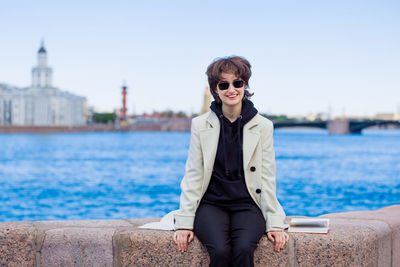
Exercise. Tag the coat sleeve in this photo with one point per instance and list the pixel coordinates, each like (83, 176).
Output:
(270, 206)
(191, 183)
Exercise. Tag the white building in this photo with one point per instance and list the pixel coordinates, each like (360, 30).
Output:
(41, 104)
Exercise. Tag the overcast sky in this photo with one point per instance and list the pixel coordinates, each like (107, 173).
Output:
(306, 56)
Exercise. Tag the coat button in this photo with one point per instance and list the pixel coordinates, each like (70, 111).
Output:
(258, 190)
(252, 168)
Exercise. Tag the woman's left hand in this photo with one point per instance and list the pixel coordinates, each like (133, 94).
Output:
(279, 238)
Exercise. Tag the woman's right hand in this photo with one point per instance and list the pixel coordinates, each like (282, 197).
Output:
(182, 237)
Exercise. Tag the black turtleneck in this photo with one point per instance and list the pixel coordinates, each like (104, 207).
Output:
(227, 180)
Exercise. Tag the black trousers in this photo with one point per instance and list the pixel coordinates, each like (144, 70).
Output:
(229, 232)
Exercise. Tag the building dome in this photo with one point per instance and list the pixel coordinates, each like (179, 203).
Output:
(41, 49)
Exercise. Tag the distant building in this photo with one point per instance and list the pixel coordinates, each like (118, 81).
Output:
(206, 101)
(42, 104)
(321, 116)
(386, 116)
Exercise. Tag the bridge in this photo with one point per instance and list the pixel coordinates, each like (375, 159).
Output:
(338, 126)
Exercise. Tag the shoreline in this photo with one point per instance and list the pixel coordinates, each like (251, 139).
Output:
(171, 126)
(182, 125)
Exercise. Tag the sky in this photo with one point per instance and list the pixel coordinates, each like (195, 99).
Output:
(335, 56)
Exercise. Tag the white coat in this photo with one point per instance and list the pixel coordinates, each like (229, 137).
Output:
(258, 165)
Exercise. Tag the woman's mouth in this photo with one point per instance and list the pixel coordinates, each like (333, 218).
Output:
(232, 96)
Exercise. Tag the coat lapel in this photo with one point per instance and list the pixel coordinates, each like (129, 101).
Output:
(250, 140)
(209, 141)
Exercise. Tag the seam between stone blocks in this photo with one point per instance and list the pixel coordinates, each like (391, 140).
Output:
(39, 244)
(127, 220)
(37, 257)
(39, 252)
(37, 262)
(291, 255)
(114, 263)
(117, 249)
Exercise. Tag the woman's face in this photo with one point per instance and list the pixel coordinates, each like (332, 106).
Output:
(232, 96)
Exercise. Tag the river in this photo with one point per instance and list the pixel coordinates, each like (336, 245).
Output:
(116, 175)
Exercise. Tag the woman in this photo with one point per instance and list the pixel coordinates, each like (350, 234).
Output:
(228, 192)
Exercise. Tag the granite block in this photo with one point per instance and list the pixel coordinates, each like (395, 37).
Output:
(344, 245)
(142, 247)
(389, 215)
(265, 255)
(43, 226)
(17, 244)
(382, 231)
(77, 247)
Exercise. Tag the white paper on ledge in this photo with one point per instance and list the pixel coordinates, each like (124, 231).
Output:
(310, 222)
(166, 223)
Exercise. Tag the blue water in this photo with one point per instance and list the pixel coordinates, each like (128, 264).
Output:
(135, 175)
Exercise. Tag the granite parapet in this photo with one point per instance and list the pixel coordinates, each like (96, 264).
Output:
(367, 238)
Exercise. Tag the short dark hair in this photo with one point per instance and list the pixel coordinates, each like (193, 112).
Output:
(238, 66)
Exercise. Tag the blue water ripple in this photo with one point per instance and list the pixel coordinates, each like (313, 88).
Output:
(136, 175)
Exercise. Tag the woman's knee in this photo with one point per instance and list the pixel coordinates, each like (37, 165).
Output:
(244, 248)
(220, 251)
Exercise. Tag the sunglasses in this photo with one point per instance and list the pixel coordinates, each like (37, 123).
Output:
(236, 84)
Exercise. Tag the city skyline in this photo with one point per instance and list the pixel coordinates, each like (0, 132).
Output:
(41, 104)
(307, 57)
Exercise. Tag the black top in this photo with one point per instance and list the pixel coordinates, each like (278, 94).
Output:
(227, 182)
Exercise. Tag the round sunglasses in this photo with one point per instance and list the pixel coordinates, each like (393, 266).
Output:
(225, 85)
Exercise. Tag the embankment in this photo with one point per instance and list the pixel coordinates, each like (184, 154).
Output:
(366, 238)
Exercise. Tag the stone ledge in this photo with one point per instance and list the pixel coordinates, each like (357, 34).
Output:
(345, 245)
(368, 238)
(390, 215)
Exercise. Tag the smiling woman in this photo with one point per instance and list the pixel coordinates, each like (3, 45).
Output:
(228, 192)
(236, 66)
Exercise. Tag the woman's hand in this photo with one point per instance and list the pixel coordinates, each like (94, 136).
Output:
(182, 237)
(279, 238)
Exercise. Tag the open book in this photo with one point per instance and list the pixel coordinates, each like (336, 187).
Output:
(309, 225)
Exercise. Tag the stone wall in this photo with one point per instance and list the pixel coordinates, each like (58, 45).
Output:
(365, 238)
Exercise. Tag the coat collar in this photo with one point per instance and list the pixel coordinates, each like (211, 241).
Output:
(213, 120)
(209, 139)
